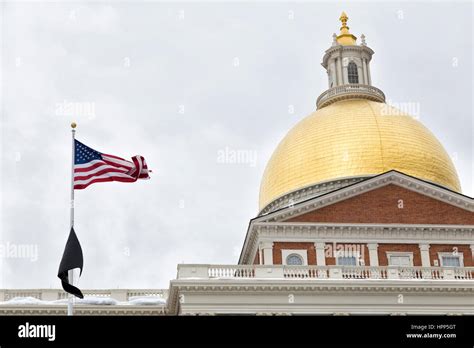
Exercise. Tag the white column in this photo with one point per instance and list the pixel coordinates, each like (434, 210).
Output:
(364, 71)
(333, 73)
(339, 71)
(425, 255)
(320, 255)
(267, 251)
(373, 254)
(360, 75)
(345, 76)
(369, 80)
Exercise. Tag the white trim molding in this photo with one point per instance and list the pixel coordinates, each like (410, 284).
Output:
(308, 192)
(354, 233)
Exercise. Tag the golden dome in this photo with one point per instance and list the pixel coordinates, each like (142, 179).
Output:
(355, 137)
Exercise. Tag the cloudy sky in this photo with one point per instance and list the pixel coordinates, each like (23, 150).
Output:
(180, 84)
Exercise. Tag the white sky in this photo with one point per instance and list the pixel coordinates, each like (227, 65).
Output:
(160, 80)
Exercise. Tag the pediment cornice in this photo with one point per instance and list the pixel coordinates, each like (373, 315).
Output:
(391, 177)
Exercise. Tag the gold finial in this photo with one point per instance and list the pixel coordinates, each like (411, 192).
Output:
(343, 20)
(73, 125)
(345, 38)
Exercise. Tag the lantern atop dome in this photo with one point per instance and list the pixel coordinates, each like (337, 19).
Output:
(348, 67)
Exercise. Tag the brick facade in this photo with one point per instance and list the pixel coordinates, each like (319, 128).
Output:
(363, 249)
(308, 246)
(445, 248)
(256, 260)
(390, 204)
(383, 205)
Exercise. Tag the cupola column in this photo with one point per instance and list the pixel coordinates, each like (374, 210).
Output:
(369, 80)
(339, 71)
(364, 71)
(345, 81)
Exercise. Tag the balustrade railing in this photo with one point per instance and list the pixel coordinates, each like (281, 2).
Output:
(324, 272)
(282, 272)
(56, 294)
(358, 90)
(302, 272)
(231, 272)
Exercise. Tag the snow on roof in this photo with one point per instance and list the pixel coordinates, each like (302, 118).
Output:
(88, 300)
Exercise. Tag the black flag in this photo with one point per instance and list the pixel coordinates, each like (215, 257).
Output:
(72, 258)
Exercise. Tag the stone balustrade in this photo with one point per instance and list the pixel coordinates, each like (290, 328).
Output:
(57, 294)
(324, 272)
(350, 91)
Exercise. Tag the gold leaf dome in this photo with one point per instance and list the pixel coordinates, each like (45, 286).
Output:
(351, 138)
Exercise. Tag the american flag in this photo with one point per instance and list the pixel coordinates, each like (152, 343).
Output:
(91, 166)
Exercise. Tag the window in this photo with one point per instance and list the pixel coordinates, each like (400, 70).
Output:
(347, 261)
(294, 257)
(352, 73)
(450, 261)
(400, 259)
(294, 260)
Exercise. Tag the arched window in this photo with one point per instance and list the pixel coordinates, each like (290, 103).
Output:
(294, 260)
(352, 73)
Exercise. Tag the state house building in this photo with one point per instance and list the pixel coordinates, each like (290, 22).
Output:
(361, 212)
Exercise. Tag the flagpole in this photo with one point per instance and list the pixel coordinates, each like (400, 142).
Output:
(70, 302)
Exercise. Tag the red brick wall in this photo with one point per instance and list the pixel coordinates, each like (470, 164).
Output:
(331, 260)
(382, 252)
(278, 246)
(256, 260)
(414, 248)
(381, 206)
(445, 248)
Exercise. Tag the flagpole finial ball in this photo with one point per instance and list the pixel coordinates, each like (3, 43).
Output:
(73, 125)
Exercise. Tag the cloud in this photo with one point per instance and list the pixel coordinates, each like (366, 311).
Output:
(162, 81)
